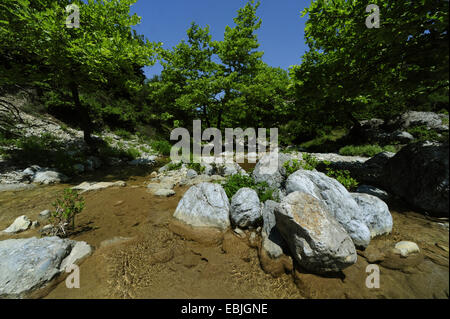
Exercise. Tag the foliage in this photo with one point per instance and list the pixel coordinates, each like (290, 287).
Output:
(368, 150)
(196, 167)
(96, 66)
(123, 133)
(223, 83)
(43, 150)
(65, 211)
(162, 147)
(133, 153)
(352, 72)
(423, 133)
(238, 181)
(343, 177)
(309, 163)
(172, 166)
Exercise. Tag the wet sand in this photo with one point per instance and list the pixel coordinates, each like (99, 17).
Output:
(137, 256)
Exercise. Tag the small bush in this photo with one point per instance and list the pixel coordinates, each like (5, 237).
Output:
(133, 153)
(422, 133)
(174, 166)
(123, 133)
(43, 150)
(343, 177)
(309, 163)
(66, 209)
(162, 147)
(238, 181)
(292, 166)
(365, 150)
(196, 167)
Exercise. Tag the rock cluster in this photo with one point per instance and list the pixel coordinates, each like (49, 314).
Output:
(317, 221)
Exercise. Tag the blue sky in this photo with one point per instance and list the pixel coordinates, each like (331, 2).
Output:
(281, 35)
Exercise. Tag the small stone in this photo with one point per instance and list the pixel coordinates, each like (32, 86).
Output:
(35, 224)
(162, 192)
(154, 174)
(46, 228)
(44, 214)
(191, 174)
(21, 223)
(406, 248)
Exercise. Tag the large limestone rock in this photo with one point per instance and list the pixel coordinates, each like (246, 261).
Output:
(270, 169)
(337, 200)
(204, 205)
(419, 174)
(245, 208)
(317, 241)
(375, 214)
(20, 224)
(28, 264)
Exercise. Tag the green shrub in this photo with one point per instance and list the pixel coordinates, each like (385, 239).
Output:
(65, 211)
(238, 181)
(365, 150)
(174, 166)
(162, 147)
(343, 177)
(196, 167)
(123, 133)
(422, 133)
(309, 163)
(43, 150)
(133, 153)
(292, 166)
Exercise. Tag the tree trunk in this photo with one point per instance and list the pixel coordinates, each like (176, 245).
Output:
(356, 132)
(86, 123)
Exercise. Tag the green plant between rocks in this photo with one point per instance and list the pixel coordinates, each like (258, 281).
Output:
(162, 147)
(196, 167)
(65, 210)
(366, 150)
(238, 181)
(343, 177)
(309, 163)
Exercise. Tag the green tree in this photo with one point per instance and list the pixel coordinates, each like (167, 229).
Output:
(352, 72)
(224, 83)
(103, 55)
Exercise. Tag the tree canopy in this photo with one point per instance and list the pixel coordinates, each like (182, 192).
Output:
(94, 75)
(103, 55)
(352, 72)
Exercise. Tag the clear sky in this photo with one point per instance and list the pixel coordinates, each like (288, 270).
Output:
(281, 34)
